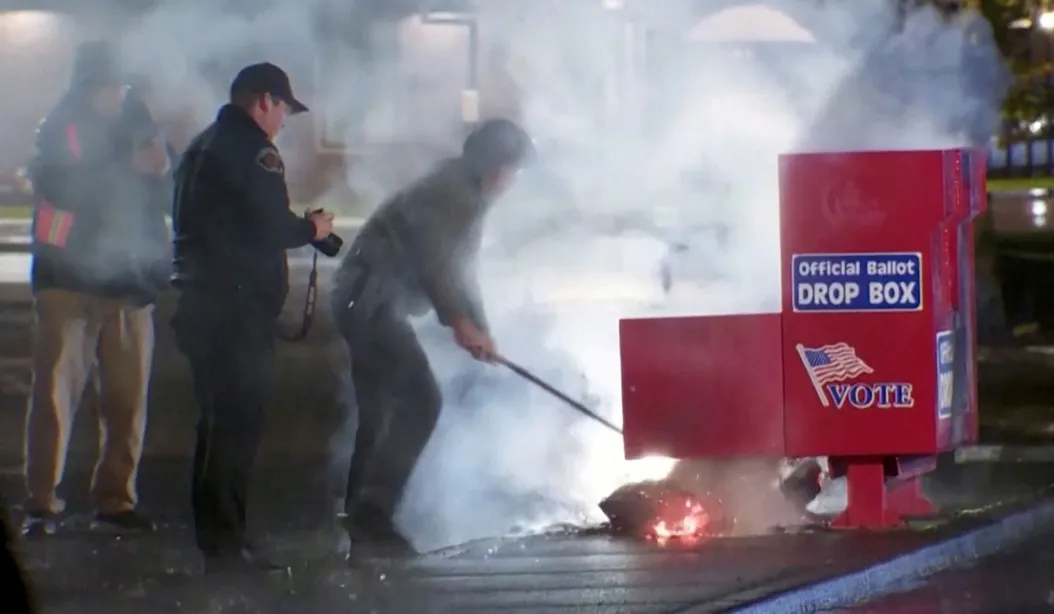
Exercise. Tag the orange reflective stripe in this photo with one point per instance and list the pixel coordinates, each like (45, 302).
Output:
(52, 226)
(73, 140)
(45, 215)
(60, 228)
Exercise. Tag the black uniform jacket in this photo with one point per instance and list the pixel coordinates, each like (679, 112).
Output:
(231, 218)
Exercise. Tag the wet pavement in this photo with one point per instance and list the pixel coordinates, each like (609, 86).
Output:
(1022, 212)
(540, 575)
(565, 571)
(1020, 580)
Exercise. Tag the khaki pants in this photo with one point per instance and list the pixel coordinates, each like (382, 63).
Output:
(74, 334)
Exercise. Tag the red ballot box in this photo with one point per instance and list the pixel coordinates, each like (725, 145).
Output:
(872, 359)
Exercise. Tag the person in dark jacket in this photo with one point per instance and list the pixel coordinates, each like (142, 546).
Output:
(95, 243)
(140, 124)
(142, 136)
(417, 252)
(232, 226)
(18, 595)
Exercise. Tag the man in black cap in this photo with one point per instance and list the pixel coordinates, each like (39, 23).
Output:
(94, 247)
(417, 252)
(232, 226)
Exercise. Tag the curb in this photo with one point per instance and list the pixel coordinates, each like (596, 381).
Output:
(886, 577)
(1038, 454)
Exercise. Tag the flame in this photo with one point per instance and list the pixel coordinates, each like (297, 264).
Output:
(648, 468)
(692, 522)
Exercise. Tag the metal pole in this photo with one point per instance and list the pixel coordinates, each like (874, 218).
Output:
(537, 381)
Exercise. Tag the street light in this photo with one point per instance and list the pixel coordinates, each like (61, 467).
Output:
(1046, 20)
(26, 27)
(446, 17)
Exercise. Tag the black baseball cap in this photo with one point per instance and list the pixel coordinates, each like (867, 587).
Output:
(266, 78)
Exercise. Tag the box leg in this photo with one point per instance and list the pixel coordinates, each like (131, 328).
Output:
(875, 504)
(906, 500)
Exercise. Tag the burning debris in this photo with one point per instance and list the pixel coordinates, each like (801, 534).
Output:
(799, 481)
(658, 509)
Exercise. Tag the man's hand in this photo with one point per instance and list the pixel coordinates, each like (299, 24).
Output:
(151, 159)
(475, 341)
(323, 222)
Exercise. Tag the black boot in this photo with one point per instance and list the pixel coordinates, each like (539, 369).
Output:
(245, 560)
(367, 523)
(130, 521)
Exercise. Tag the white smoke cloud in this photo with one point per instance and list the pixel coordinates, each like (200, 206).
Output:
(682, 151)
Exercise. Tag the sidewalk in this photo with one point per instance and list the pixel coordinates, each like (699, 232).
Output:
(84, 573)
(15, 263)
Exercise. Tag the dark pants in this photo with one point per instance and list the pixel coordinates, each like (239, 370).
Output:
(398, 403)
(229, 343)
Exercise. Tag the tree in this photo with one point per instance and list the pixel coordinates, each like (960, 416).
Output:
(1027, 50)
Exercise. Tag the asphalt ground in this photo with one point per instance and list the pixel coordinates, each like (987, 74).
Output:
(1019, 580)
(82, 572)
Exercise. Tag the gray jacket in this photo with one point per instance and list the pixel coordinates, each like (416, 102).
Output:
(419, 250)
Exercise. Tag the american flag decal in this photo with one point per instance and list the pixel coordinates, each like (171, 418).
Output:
(831, 363)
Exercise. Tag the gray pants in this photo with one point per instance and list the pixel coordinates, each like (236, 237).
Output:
(398, 402)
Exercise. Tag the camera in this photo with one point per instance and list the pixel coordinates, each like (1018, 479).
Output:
(330, 246)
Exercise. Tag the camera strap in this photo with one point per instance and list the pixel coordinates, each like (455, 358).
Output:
(308, 315)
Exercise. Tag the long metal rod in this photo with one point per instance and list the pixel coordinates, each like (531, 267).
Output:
(537, 381)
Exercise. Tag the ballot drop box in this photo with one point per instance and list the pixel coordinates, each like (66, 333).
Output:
(871, 360)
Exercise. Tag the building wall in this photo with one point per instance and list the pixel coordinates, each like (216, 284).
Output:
(418, 108)
(410, 113)
(36, 50)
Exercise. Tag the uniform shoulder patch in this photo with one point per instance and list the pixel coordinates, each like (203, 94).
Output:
(270, 161)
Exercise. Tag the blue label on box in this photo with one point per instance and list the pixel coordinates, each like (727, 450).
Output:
(857, 282)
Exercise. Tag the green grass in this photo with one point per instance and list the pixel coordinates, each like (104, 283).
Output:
(16, 212)
(1020, 184)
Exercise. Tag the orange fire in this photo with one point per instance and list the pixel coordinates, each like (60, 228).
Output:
(692, 521)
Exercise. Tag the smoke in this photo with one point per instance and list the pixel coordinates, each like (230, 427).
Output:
(658, 157)
(679, 171)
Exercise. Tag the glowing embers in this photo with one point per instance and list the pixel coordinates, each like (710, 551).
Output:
(688, 522)
(658, 509)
